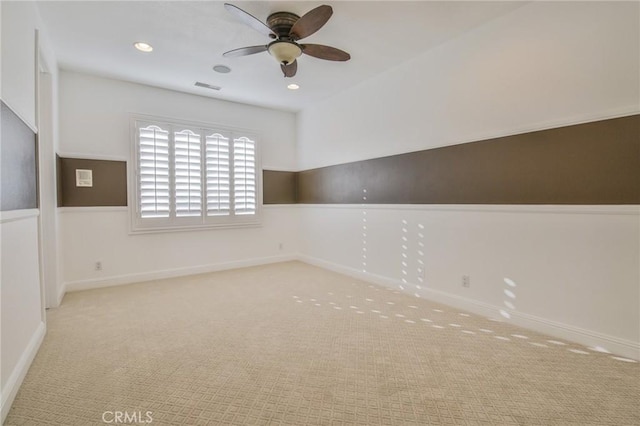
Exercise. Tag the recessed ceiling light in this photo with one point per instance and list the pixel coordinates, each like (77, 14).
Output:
(293, 86)
(222, 69)
(143, 47)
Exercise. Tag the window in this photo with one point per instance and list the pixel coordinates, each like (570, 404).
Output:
(191, 176)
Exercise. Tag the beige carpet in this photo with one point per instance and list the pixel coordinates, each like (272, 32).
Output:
(294, 344)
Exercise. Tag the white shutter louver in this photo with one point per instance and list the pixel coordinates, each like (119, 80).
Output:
(244, 176)
(153, 155)
(188, 175)
(218, 175)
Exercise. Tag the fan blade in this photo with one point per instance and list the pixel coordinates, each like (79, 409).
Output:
(244, 51)
(325, 52)
(290, 69)
(250, 20)
(311, 22)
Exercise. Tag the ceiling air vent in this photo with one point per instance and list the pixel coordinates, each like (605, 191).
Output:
(207, 86)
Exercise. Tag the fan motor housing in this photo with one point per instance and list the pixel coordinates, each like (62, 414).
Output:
(281, 23)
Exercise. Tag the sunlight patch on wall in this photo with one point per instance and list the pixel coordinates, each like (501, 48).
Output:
(404, 262)
(412, 261)
(364, 232)
(421, 268)
(511, 297)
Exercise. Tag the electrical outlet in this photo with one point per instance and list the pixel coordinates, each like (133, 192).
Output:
(466, 281)
(98, 266)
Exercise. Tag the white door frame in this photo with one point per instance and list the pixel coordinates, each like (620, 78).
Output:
(47, 203)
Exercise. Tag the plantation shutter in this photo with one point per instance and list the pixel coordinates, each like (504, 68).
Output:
(218, 175)
(244, 176)
(191, 176)
(153, 155)
(188, 174)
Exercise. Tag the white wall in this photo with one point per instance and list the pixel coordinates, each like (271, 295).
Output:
(576, 268)
(95, 114)
(94, 123)
(546, 64)
(89, 235)
(22, 317)
(19, 22)
(22, 325)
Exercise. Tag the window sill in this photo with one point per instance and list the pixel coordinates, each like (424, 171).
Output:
(212, 227)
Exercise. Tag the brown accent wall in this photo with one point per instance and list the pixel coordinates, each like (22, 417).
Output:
(592, 163)
(279, 187)
(109, 183)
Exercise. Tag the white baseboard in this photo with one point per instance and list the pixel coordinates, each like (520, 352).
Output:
(172, 273)
(20, 371)
(615, 345)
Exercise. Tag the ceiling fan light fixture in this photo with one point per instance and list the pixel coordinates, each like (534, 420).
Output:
(287, 29)
(285, 52)
(293, 86)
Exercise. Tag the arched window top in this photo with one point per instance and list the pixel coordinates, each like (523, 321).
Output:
(188, 132)
(217, 136)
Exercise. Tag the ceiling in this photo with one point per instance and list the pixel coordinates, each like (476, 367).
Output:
(189, 38)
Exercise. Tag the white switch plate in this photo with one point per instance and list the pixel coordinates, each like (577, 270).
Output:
(84, 178)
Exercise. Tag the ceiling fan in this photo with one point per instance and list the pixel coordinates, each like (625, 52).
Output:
(285, 29)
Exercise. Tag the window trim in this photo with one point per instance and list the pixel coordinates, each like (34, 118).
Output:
(138, 225)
